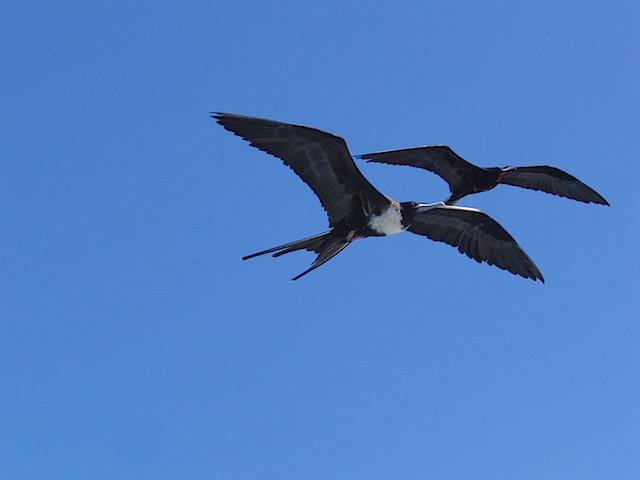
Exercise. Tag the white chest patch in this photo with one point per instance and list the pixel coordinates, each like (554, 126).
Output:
(388, 222)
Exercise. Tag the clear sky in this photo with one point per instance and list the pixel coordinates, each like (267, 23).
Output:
(134, 343)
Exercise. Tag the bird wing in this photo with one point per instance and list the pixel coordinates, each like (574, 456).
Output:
(551, 180)
(477, 235)
(319, 158)
(439, 159)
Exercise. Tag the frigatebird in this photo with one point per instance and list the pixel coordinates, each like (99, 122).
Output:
(465, 178)
(356, 209)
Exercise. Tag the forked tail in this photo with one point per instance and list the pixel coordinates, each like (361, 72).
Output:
(325, 245)
(310, 243)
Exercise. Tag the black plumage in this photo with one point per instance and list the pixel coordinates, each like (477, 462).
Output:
(356, 209)
(465, 178)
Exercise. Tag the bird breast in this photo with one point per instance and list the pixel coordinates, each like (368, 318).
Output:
(388, 222)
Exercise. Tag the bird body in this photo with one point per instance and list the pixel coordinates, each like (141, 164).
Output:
(356, 209)
(388, 222)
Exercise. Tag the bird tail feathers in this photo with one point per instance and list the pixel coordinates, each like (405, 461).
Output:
(310, 243)
(325, 246)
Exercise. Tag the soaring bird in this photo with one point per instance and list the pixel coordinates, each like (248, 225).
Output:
(356, 209)
(465, 178)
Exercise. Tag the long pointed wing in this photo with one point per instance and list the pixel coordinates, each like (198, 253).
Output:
(551, 180)
(477, 235)
(439, 159)
(319, 158)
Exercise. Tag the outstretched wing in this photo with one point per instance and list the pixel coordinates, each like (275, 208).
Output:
(477, 235)
(551, 180)
(439, 159)
(319, 158)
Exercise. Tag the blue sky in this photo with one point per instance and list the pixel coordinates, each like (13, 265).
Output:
(135, 344)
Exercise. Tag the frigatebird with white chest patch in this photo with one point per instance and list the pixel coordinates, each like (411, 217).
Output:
(356, 209)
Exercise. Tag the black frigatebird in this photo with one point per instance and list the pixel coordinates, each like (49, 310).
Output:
(465, 178)
(356, 209)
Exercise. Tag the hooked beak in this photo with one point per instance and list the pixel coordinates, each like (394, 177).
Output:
(429, 206)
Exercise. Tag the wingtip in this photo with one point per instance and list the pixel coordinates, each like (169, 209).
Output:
(596, 199)
(536, 275)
